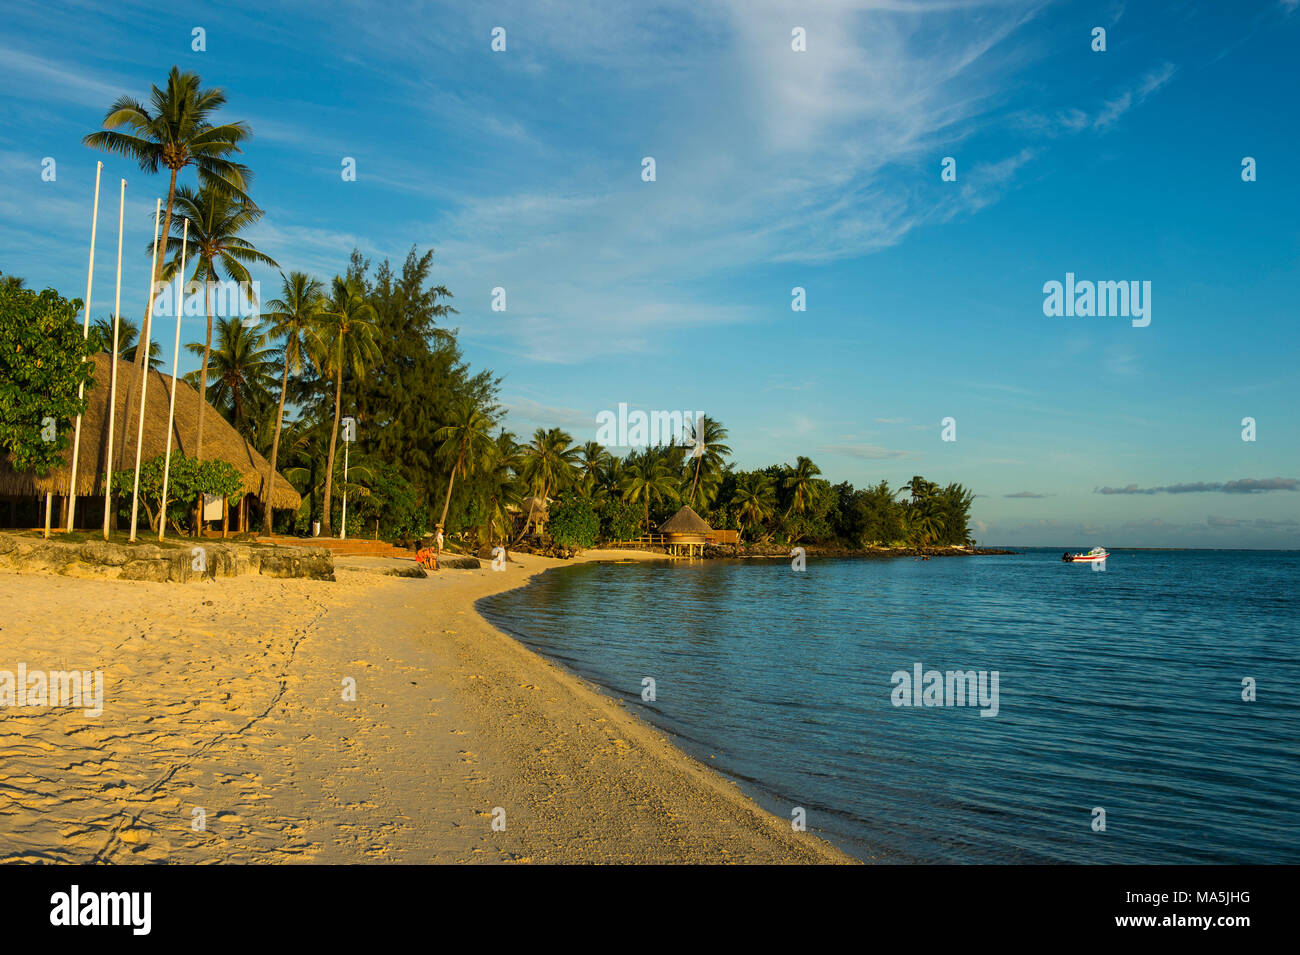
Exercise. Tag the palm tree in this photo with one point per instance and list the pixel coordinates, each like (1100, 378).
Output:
(127, 332)
(345, 338)
(12, 283)
(592, 462)
(466, 443)
(176, 131)
(647, 478)
(244, 373)
(214, 220)
(549, 465)
(754, 498)
(292, 319)
(799, 485)
(709, 450)
(503, 493)
(919, 488)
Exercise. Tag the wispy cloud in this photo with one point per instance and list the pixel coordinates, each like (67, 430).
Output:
(866, 452)
(1242, 486)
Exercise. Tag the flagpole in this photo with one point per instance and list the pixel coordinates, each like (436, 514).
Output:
(112, 391)
(176, 358)
(85, 333)
(143, 342)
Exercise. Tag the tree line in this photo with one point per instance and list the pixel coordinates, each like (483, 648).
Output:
(374, 343)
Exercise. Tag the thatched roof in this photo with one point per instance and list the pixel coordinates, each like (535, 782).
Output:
(220, 440)
(542, 507)
(685, 521)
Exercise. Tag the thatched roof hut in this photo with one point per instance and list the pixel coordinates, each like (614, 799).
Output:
(220, 440)
(685, 527)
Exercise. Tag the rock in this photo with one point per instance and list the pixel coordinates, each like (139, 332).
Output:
(104, 554)
(148, 569)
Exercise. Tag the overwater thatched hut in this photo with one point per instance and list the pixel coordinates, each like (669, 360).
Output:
(220, 441)
(685, 529)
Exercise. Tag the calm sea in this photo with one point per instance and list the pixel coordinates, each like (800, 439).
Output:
(1119, 690)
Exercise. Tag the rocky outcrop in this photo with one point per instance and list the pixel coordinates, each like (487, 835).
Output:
(180, 561)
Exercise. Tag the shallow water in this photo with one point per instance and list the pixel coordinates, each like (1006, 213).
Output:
(1119, 690)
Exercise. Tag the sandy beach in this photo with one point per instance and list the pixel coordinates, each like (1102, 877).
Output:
(226, 735)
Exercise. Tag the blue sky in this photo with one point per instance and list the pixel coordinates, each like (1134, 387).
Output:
(774, 169)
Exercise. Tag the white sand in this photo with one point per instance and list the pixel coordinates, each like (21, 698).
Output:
(227, 696)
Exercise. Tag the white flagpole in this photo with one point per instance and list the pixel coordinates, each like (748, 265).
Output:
(112, 391)
(343, 530)
(176, 358)
(143, 342)
(85, 333)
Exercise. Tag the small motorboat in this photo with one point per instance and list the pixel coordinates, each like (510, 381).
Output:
(1092, 557)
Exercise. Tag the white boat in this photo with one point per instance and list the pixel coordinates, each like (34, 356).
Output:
(1092, 557)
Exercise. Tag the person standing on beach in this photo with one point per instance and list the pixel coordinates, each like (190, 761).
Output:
(437, 553)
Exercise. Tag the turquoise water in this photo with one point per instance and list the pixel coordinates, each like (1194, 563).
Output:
(1119, 690)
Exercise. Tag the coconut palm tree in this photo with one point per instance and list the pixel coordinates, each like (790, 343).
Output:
(592, 462)
(647, 478)
(754, 499)
(503, 493)
(549, 465)
(127, 332)
(244, 373)
(466, 443)
(176, 130)
(12, 283)
(292, 319)
(799, 485)
(919, 488)
(708, 450)
(214, 219)
(343, 339)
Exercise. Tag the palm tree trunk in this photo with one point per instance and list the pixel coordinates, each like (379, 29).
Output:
(275, 448)
(460, 459)
(326, 526)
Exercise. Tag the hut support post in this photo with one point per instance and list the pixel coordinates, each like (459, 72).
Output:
(112, 388)
(49, 504)
(85, 333)
(225, 517)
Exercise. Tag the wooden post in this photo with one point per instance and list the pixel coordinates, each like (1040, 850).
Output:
(243, 514)
(225, 517)
(49, 504)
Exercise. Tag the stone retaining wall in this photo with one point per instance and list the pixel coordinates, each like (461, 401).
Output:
(189, 562)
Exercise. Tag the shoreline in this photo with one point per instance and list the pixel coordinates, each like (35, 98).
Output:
(223, 698)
